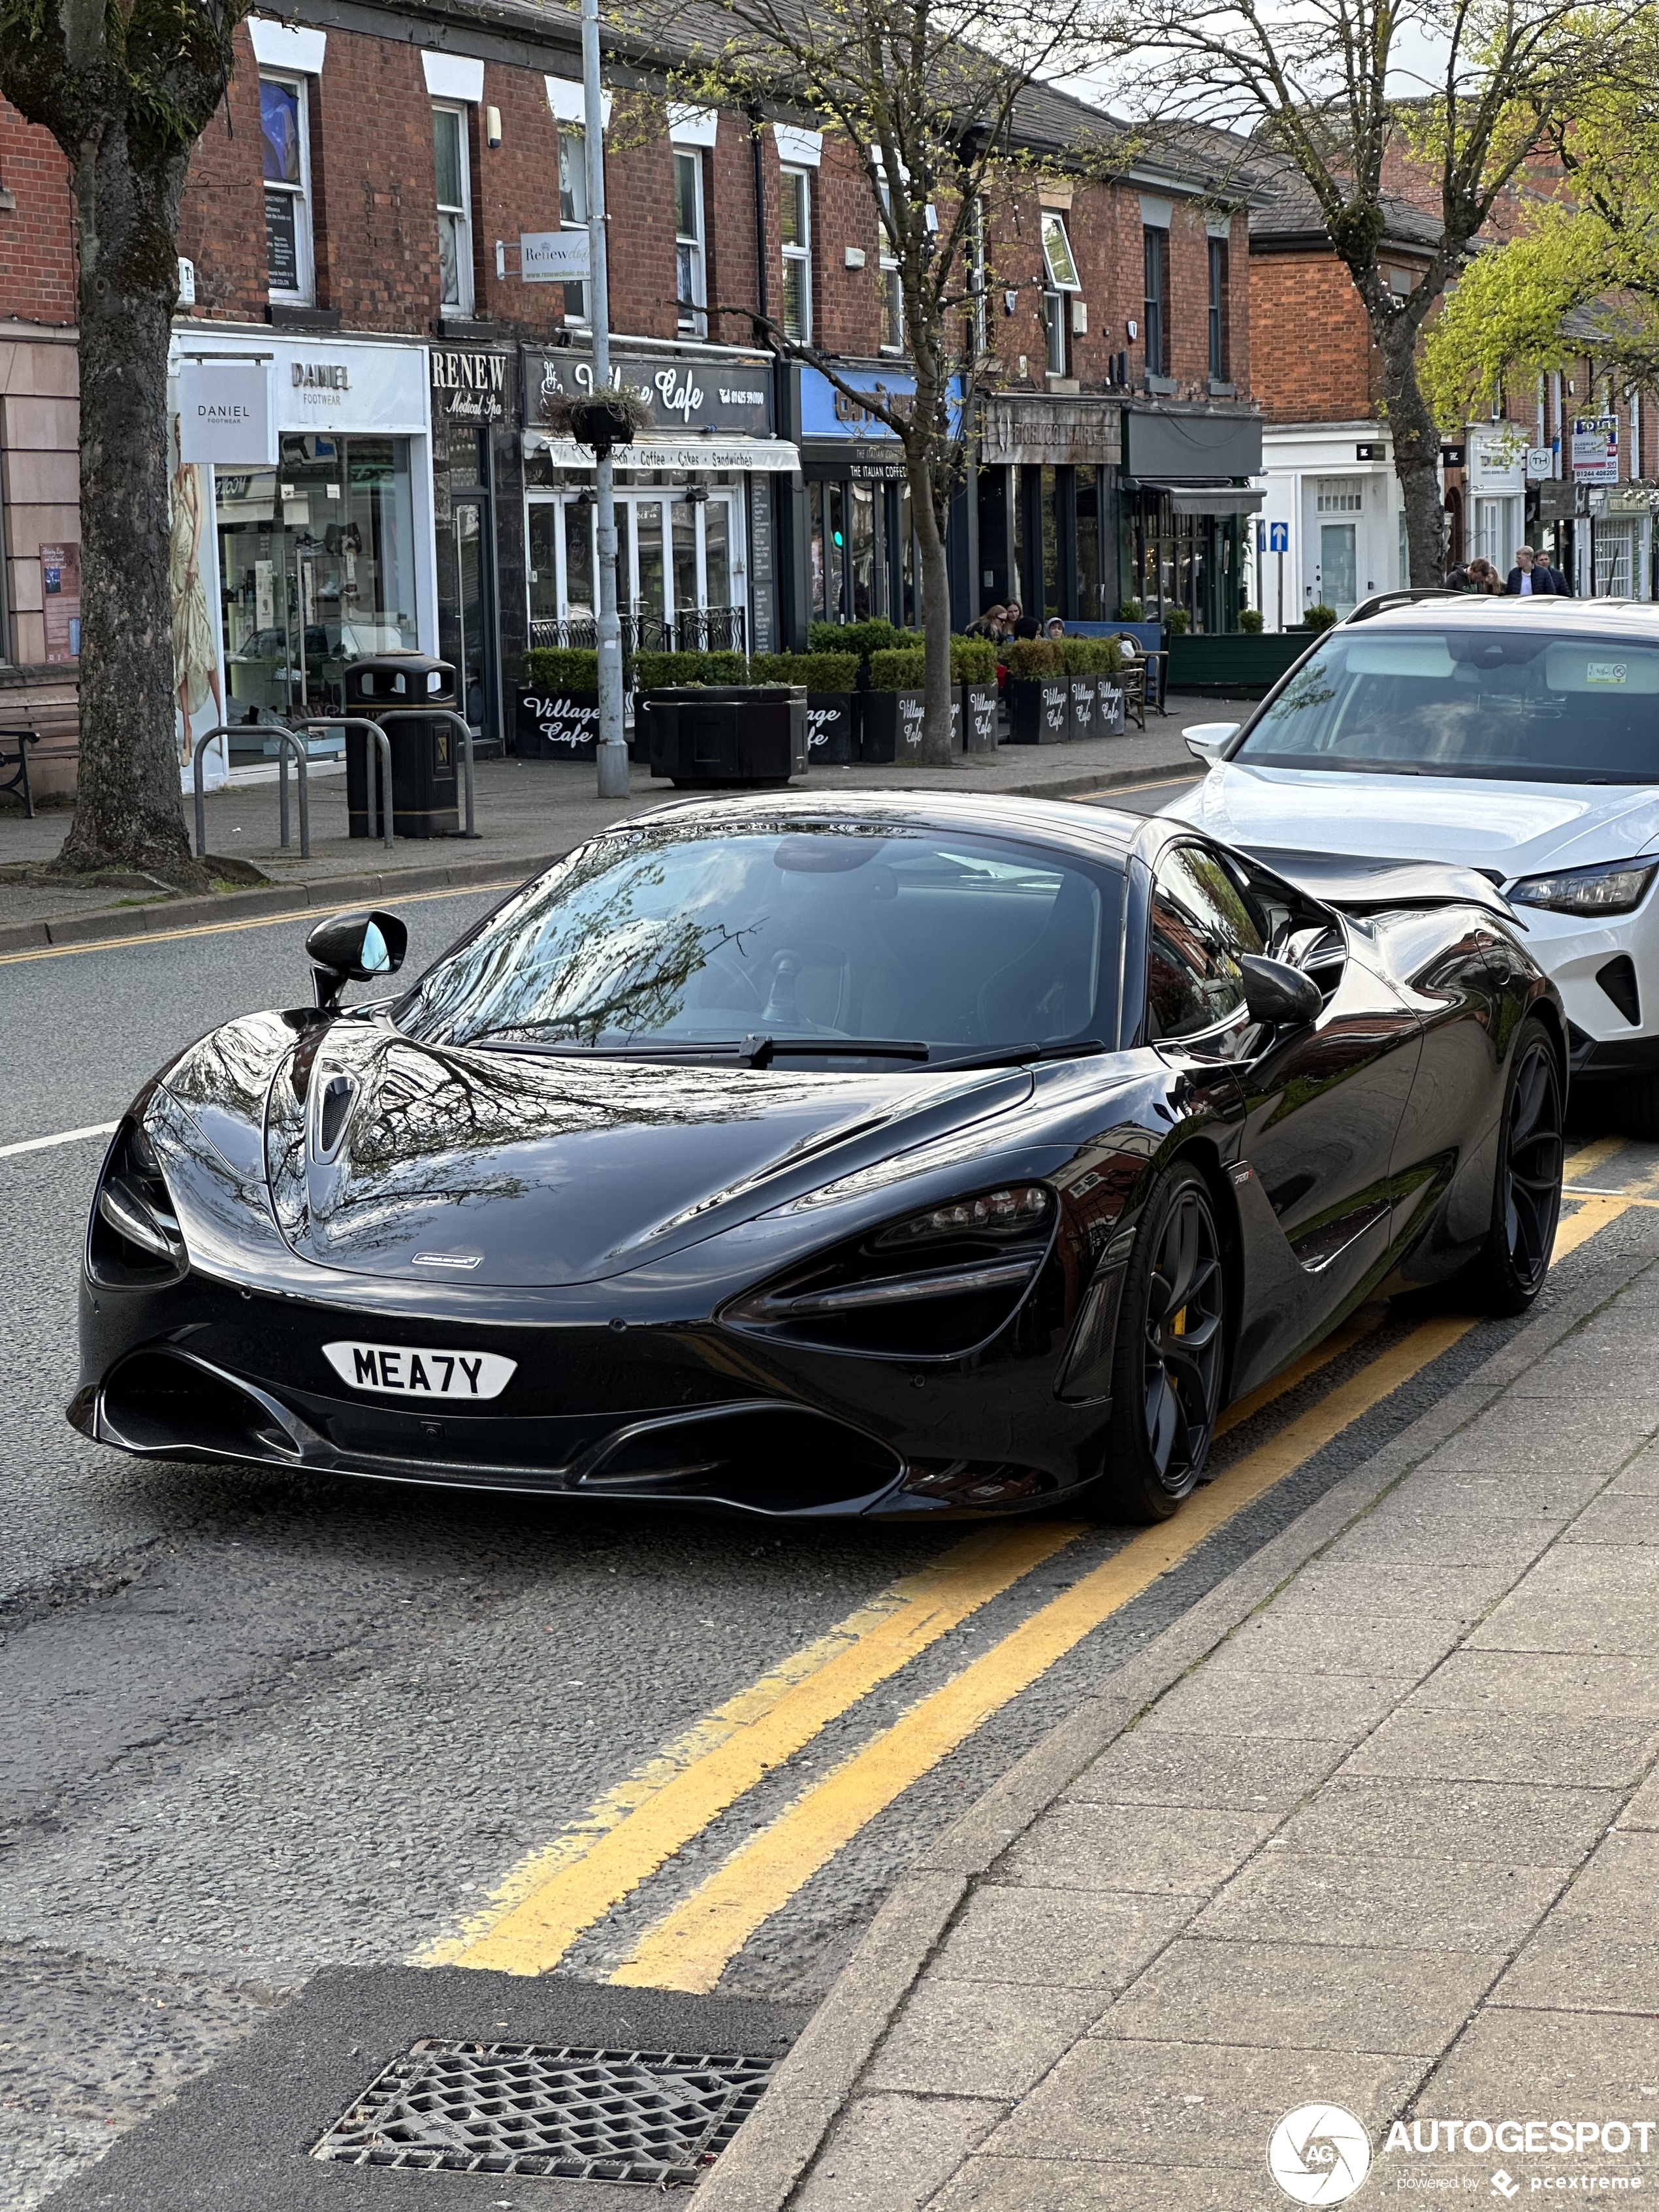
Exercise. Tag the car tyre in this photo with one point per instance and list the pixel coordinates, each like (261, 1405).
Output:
(1172, 1352)
(1509, 1270)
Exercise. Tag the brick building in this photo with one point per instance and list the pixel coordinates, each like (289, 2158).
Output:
(372, 231)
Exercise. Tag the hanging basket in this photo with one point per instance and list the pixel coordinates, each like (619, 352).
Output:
(607, 420)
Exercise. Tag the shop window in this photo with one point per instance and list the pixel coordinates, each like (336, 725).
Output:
(286, 148)
(689, 252)
(892, 292)
(795, 225)
(1090, 605)
(1155, 326)
(1338, 495)
(572, 205)
(451, 153)
(1219, 347)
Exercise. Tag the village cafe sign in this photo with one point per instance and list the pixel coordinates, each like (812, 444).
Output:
(469, 384)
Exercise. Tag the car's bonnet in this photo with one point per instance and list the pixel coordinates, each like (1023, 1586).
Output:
(514, 1168)
(1521, 829)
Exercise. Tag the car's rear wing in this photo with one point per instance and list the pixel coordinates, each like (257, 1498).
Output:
(1359, 885)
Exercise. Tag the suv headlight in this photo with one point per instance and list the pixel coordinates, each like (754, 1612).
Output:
(1616, 887)
(135, 1238)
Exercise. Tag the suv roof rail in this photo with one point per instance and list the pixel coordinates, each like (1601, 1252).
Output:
(1381, 600)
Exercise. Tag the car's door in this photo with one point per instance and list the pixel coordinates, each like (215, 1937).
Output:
(1323, 1103)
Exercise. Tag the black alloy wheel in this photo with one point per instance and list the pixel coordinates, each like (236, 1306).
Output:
(1508, 1272)
(1172, 1352)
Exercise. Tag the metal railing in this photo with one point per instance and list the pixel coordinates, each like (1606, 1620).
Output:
(694, 629)
(378, 798)
(444, 714)
(286, 739)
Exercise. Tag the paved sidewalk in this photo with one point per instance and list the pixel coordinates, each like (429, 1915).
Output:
(531, 810)
(1375, 1824)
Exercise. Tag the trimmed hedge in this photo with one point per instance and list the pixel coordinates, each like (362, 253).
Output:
(1318, 616)
(864, 638)
(1090, 656)
(1249, 621)
(898, 672)
(1031, 659)
(973, 660)
(564, 668)
(819, 671)
(658, 671)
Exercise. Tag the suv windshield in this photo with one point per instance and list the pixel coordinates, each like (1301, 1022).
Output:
(681, 935)
(1468, 702)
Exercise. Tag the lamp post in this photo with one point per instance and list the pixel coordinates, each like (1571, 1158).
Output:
(612, 749)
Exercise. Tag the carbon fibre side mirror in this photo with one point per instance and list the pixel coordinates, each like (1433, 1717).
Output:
(1277, 992)
(354, 948)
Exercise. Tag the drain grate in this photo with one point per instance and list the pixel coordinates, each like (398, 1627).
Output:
(646, 2116)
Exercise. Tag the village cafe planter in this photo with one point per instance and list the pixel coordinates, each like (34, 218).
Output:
(1039, 710)
(556, 724)
(1085, 705)
(892, 725)
(979, 717)
(1110, 721)
(832, 729)
(713, 736)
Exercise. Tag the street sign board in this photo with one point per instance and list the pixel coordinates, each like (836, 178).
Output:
(553, 257)
(1278, 537)
(228, 412)
(1540, 463)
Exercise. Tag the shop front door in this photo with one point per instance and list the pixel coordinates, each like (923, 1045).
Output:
(467, 626)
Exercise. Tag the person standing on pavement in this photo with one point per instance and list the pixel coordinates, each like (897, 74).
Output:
(1530, 578)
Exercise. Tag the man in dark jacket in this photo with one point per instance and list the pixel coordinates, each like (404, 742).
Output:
(1531, 578)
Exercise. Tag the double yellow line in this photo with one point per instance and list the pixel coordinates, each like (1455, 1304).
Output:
(553, 1897)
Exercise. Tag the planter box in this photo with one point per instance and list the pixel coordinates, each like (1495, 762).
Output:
(1238, 664)
(1039, 712)
(704, 737)
(892, 725)
(1110, 719)
(555, 726)
(1085, 705)
(978, 712)
(832, 728)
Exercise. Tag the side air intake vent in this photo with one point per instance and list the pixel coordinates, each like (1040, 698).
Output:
(1618, 979)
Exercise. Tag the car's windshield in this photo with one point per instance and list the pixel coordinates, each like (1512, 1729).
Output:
(1469, 702)
(679, 935)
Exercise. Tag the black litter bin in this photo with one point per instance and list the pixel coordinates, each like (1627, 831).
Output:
(425, 762)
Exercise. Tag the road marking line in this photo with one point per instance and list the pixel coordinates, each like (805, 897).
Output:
(692, 1946)
(1593, 1157)
(63, 1137)
(247, 921)
(546, 1902)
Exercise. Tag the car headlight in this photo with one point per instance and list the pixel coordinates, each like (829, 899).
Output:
(937, 1282)
(134, 1237)
(1616, 887)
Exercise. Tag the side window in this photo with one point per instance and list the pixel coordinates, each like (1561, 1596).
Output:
(1201, 923)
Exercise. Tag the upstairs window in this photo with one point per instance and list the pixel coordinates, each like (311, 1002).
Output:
(976, 278)
(1155, 325)
(795, 224)
(572, 205)
(1057, 254)
(452, 152)
(892, 291)
(1219, 351)
(688, 243)
(286, 151)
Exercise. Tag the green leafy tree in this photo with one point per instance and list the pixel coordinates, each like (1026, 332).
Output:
(926, 93)
(1329, 85)
(126, 88)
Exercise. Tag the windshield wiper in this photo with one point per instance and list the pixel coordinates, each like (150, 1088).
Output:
(1019, 1055)
(752, 1051)
(758, 1051)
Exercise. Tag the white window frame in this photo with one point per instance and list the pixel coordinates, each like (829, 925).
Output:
(575, 135)
(305, 257)
(892, 292)
(460, 217)
(801, 252)
(694, 310)
(976, 274)
(1058, 259)
(1056, 320)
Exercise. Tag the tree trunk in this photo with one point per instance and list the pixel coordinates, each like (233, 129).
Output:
(935, 583)
(1416, 453)
(128, 814)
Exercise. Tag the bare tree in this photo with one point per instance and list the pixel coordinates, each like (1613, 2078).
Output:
(126, 88)
(925, 94)
(1448, 96)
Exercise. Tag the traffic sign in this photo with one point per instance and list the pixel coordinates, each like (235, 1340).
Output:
(1278, 537)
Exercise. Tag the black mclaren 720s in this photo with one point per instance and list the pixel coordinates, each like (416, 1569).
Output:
(891, 1155)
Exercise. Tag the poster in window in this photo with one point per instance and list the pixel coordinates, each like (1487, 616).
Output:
(282, 244)
(60, 598)
(197, 691)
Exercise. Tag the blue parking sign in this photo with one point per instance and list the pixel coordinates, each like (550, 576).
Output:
(1278, 537)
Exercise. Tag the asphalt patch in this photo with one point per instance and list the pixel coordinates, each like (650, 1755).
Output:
(239, 2138)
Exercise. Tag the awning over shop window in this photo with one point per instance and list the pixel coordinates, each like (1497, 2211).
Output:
(1209, 498)
(773, 456)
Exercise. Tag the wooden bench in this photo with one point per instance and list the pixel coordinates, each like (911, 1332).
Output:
(14, 756)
